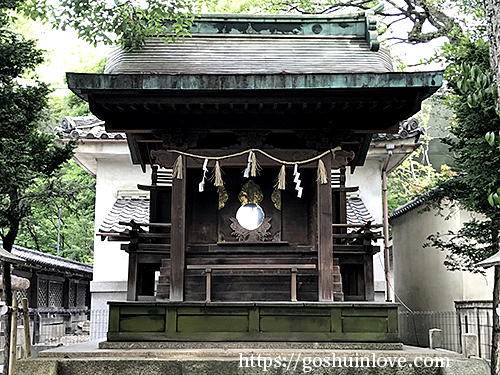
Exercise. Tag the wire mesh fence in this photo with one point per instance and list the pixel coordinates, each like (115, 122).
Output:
(414, 328)
(55, 327)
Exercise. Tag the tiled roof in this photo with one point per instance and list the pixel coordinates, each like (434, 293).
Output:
(5, 256)
(407, 129)
(50, 261)
(407, 207)
(356, 211)
(125, 210)
(89, 127)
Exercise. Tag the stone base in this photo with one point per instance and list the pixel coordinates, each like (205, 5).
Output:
(236, 359)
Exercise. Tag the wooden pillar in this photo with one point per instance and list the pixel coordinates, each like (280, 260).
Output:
(325, 236)
(368, 275)
(132, 277)
(178, 236)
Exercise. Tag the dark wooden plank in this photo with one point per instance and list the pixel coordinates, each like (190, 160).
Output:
(132, 277)
(368, 278)
(254, 319)
(325, 239)
(255, 336)
(114, 319)
(178, 236)
(392, 320)
(142, 323)
(363, 324)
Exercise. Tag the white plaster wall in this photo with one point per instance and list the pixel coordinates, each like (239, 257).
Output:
(422, 282)
(111, 263)
(368, 178)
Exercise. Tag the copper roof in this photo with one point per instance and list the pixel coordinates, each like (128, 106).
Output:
(251, 54)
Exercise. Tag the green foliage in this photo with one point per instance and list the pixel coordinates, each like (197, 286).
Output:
(473, 100)
(73, 104)
(416, 174)
(28, 156)
(127, 23)
(75, 200)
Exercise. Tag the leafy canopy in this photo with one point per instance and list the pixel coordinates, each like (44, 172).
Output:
(473, 98)
(27, 155)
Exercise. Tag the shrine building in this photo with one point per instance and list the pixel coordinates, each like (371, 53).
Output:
(249, 128)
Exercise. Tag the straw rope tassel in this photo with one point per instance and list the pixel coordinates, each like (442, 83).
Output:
(281, 178)
(322, 177)
(218, 175)
(253, 171)
(177, 169)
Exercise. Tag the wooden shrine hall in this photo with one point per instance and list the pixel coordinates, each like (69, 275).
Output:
(250, 127)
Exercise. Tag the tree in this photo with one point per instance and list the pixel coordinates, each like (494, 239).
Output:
(125, 23)
(473, 98)
(63, 225)
(27, 155)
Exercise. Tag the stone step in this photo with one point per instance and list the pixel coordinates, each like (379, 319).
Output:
(229, 358)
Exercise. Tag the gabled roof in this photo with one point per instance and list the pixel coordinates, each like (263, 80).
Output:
(310, 82)
(50, 261)
(262, 44)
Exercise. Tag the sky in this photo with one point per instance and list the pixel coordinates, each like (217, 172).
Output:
(64, 53)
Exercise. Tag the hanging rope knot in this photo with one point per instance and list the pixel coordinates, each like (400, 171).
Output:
(322, 177)
(177, 168)
(281, 178)
(218, 175)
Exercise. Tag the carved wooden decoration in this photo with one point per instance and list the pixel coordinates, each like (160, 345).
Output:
(276, 198)
(223, 196)
(161, 158)
(341, 158)
(256, 235)
(250, 193)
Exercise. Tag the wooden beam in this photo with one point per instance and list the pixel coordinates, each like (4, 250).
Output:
(178, 236)
(325, 236)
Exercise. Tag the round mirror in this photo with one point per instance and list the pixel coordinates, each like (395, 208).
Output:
(250, 216)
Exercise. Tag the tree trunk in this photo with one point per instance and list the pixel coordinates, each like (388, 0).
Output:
(7, 294)
(8, 243)
(492, 8)
(495, 344)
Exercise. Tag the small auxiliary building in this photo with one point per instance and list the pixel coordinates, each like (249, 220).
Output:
(250, 127)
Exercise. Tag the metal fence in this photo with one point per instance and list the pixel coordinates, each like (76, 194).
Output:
(99, 324)
(56, 327)
(414, 328)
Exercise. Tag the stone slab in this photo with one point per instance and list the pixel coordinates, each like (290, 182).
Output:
(249, 345)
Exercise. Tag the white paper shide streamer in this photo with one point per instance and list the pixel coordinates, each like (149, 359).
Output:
(246, 172)
(201, 186)
(296, 179)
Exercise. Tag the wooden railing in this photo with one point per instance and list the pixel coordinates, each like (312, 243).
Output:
(235, 267)
(363, 234)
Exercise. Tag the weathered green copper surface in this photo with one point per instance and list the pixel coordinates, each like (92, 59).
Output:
(81, 82)
(346, 24)
(355, 322)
